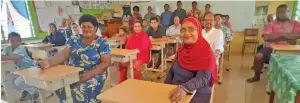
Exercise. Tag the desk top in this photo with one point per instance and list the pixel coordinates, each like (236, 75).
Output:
(158, 42)
(123, 52)
(284, 76)
(286, 47)
(40, 45)
(138, 91)
(53, 73)
(113, 39)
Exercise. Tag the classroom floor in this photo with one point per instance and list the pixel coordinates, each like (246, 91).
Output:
(233, 89)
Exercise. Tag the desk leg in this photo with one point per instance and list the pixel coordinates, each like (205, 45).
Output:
(162, 64)
(69, 98)
(41, 95)
(131, 67)
(272, 95)
(9, 92)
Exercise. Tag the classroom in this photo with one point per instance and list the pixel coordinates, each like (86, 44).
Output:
(150, 51)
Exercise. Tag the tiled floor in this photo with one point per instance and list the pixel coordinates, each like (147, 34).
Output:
(233, 89)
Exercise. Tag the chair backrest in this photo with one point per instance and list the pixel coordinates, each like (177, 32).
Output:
(298, 42)
(251, 33)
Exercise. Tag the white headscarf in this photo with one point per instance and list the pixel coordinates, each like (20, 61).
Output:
(80, 31)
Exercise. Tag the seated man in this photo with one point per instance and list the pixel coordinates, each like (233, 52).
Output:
(175, 28)
(17, 52)
(282, 31)
(227, 33)
(156, 31)
(212, 35)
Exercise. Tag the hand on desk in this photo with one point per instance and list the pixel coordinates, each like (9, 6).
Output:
(44, 64)
(177, 94)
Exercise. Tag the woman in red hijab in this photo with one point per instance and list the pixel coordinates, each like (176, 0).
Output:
(138, 40)
(194, 67)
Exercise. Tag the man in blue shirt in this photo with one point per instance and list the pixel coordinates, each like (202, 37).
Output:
(166, 16)
(181, 13)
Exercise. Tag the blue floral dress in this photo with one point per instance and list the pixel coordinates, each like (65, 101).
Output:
(87, 57)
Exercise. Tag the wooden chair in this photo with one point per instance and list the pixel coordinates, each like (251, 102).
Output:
(298, 42)
(250, 37)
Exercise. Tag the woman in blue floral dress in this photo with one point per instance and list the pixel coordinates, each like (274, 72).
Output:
(90, 52)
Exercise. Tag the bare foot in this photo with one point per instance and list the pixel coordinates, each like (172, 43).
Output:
(253, 79)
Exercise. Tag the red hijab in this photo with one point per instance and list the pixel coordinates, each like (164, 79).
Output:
(198, 56)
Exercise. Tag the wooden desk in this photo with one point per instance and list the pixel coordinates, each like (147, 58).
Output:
(159, 44)
(286, 49)
(51, 79)
(115, 42)
(123, 55)
(39, 46)
(138, 91)
(7, 78)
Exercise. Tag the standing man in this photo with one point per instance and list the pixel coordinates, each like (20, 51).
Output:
(207, 9)
(181, 13)
(166, 17)
(282, 31)
(194, 11)
(149, 14)
(212, 35)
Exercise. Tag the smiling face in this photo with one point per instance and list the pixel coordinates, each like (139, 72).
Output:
(208, 21)
(137, 27)
(76, 28)
(189, 32)
(88, 29)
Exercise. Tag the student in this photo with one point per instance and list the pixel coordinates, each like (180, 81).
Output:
(166, 16)
(156, 31)
(19, 53)
(139, 40)
(123, 32)
(212, 35)
(195, 12)
(228, 24)
(55, 37)
(282, 31)
(181, 13)
(133, 18)
(149, 14)
(207, 9)
(146, 25)
(76, 29)
(194, 67)
(90, 52)
(174, 29)
(225, 30)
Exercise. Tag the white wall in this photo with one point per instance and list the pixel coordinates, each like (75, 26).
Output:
(241, 12)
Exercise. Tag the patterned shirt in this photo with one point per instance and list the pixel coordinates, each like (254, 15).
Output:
(87, 57)
(277, 27)
(227, 33)
(25, 61)
(172, 30)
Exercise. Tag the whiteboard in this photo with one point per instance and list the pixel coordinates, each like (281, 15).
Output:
(241, 12)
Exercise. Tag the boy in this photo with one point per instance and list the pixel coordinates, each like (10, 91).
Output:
(17, 52)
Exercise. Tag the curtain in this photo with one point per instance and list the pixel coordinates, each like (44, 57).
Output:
(21, 8)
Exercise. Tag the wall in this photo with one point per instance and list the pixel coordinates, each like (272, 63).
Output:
(272, 5)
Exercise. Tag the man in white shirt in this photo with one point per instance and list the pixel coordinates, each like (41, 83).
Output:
(174, 29)
(212, 35)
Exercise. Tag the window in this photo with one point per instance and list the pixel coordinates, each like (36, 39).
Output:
(297, 11)
(21, 24)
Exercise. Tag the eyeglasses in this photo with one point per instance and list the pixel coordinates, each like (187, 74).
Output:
(189, 29)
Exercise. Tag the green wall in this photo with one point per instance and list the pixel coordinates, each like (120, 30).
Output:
(39, 34)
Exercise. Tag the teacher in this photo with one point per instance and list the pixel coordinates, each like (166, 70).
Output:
(87, 51)
(194, 67)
